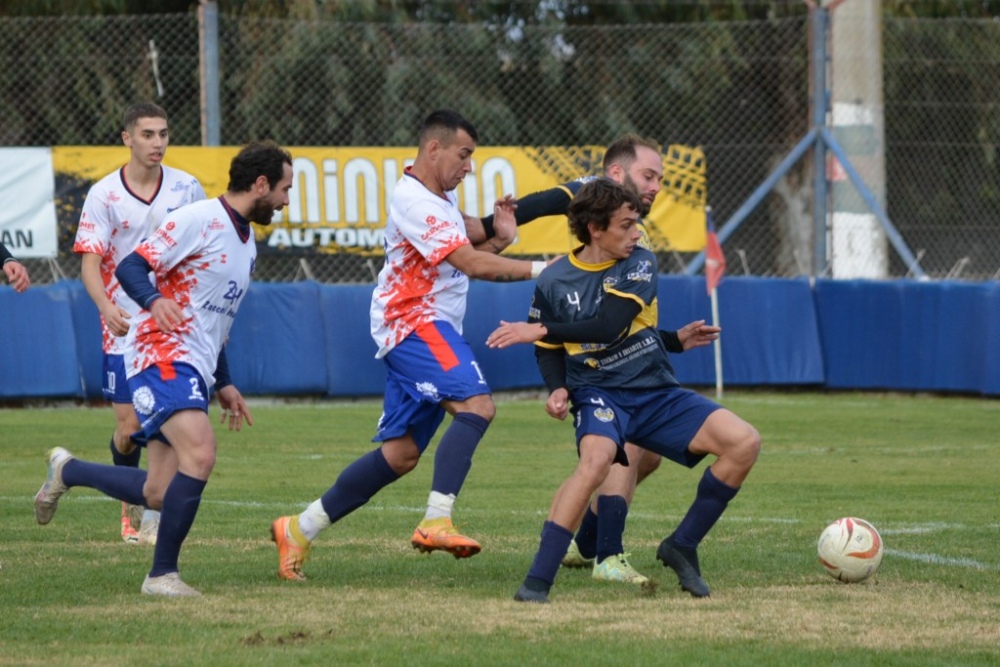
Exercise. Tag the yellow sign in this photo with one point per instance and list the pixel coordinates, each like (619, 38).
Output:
(340, 195)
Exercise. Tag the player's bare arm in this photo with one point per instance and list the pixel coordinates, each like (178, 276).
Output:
(512, 333)
(115, 318)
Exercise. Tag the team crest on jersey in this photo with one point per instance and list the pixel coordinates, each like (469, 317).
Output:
(429, 390)
(592, 363)
(143, 400)
(604, 414)
(609, 282)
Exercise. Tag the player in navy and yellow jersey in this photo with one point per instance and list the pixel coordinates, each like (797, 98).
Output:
(636, 162)
(620, 384)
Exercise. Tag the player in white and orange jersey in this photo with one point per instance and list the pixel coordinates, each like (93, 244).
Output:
(120, 210)
(203, 257)
(416, 321)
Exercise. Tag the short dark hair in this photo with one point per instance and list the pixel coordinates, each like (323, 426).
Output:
(623, 150)
(141, 110)
(258, 158)
(442, 123)
(596, 202)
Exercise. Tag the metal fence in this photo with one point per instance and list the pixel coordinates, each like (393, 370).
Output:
(739, 90)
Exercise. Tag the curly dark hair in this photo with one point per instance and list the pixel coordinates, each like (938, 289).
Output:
(596, 203)
(258, 158)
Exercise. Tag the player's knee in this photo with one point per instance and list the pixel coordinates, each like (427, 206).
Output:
(401, 455)
(594, 466)
(648, 465)
(746, 447)
(153, 495)
(483, 406)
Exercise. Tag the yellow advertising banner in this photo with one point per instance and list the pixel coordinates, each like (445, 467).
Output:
(340, 195)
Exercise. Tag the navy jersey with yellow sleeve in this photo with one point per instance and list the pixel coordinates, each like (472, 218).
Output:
(570, 290)
(554, 201)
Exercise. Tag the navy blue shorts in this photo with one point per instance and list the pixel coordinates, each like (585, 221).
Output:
(663, 421)
(161, 390)
(115, 385)
(432, 364)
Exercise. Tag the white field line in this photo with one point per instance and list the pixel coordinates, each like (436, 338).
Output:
(934, 559)
(909, 529)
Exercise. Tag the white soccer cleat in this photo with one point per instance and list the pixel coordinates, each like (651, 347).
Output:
(575, 559)
(617, 568)
(47, 498)
(149, 528)
(169, 586)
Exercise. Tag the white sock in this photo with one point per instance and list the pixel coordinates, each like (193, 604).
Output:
(439, 505)
(313, 520)
(150, 515)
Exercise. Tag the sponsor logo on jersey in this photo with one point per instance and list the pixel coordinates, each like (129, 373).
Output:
(166, 238)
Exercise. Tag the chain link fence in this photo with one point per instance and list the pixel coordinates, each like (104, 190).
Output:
(738, 90)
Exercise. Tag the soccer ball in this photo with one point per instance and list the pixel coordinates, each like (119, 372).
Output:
(850, 549)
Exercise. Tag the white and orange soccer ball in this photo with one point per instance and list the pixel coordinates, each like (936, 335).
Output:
(850, 549)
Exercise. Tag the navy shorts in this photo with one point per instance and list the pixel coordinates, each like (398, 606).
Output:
(432, 364)
(663, 421)
(161, 390)
(115, 385)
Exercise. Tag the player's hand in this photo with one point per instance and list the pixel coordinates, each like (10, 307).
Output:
(504, 222)
(557, 404)
(234, 408)
(116, 320)
(17, 274)
(167, 314)
(697, 334)
(511, 333)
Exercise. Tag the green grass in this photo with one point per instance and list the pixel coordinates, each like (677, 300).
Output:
(923, 469)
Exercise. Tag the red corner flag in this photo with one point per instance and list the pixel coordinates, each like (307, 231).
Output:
(715, 261)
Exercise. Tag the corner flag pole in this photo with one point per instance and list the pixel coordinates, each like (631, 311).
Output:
(715, 266)
(717, 344)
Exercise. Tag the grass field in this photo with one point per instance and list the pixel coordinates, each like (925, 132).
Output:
(923, 469)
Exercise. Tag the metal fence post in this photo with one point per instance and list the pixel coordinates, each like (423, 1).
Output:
(208, 56)
(819, 20)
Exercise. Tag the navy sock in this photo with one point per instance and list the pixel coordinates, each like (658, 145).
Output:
(119, 482)
(180, 505)
(611, 513)
(453, 458)
(357, 483)
(551, 549)
(130, 460)
(710, 502)
(586, 534)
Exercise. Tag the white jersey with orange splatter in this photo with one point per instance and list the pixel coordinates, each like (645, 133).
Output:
(417, 285)
(113, 221)
(203, 258)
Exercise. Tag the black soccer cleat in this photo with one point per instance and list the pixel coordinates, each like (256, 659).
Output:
(525, 594)
(686, 567)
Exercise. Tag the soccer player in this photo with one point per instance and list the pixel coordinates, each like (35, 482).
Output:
(202, 256)
(635, 162)
(120, 210)
(16, 272)
(620, 384)
(416, 320)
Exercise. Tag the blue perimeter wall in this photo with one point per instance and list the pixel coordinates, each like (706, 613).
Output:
(311, 339)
